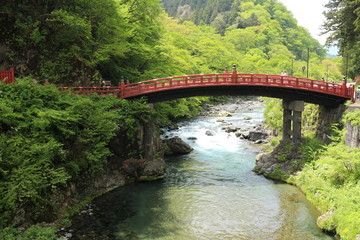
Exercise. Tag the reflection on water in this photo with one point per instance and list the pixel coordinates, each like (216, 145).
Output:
(208, 194)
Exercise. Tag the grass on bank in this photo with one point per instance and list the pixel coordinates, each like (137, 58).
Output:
(332, 183)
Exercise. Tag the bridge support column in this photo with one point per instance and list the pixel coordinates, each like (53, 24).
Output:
(292, 120)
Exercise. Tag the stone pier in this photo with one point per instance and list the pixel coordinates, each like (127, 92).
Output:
(292, 120)
(352, 137)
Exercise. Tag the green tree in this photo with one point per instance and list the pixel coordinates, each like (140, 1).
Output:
(343, 23)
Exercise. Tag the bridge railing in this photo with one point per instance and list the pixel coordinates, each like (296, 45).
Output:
(217, 79)
(7, 76)
(237, 79)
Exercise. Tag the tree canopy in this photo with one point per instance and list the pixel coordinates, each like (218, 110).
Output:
(78, 42)
(343, 23)
(83, 42)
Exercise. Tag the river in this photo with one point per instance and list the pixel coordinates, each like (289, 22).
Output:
(210, 193)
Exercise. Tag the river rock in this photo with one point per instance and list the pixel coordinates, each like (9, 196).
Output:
(282, 162)
(62, 238)
(192, 138)
(247, 118)
(220, 120)
(238, 134)
(176, 145)
(68, 235)
(209, 133)
(231, 129)
(153, 170)
(326, 222)
(225, 114)
(256, 135)
(242, 135)
(173, 127)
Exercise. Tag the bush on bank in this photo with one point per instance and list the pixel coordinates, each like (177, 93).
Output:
(48, 138)
(332, 183)
(331, 177)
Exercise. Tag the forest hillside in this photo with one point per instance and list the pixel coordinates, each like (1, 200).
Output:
(83, 42)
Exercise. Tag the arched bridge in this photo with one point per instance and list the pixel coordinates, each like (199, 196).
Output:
(294, 91)
(284, 87)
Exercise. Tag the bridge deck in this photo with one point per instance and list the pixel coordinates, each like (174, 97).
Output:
(229, 84)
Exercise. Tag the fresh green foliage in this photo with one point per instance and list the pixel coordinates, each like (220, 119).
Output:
(332, 183)
(82, 42)
(353, 117)
(48, 138)
(311, 148)
(79, 42)
(177, 109)
(273, 114)
(278, 174)
(37, 232)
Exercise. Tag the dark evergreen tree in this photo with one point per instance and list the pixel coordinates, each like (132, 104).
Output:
(343, 22)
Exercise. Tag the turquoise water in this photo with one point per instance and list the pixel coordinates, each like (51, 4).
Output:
(210, 193)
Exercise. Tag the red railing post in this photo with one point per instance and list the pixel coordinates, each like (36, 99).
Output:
(12, 75)
(344, 88)
(352, 92)
(122, 89)
(234, 74)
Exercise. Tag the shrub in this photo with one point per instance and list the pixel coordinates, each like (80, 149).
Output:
(332, 183)
(48, 138)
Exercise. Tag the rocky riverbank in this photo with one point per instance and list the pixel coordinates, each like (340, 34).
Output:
(256, 133)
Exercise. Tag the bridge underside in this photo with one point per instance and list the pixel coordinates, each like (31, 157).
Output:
(275, 92)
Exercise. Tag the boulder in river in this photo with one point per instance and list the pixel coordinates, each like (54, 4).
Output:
(173, 127)
(209, 133)
(176, 145)
(225, 114)
(231, 129)
(256, 135)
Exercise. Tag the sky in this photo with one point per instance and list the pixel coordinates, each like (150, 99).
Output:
(309, 14)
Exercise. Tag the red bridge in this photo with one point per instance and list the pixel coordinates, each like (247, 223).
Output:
(216, 84)
(285, 87)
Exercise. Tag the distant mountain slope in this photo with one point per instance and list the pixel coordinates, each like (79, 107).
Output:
(201, 11)
(258, 18)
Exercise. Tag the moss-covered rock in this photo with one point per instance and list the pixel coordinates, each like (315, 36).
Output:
(176, 145)
(283, 161)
